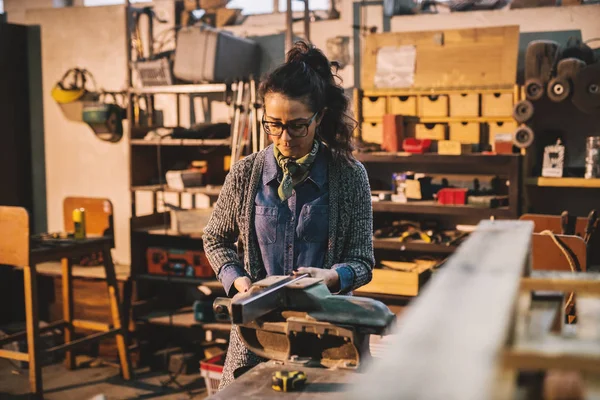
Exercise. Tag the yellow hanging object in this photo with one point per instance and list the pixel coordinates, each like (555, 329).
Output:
(63, 96)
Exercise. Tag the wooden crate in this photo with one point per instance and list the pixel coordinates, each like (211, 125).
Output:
(373, 107)
(496, 104)
(496, 128)
(430, 131)
(401, 279)
(372, 132)
(464, 105)
(465, 132)
(403, 105)
(456, 58)
(433, 106)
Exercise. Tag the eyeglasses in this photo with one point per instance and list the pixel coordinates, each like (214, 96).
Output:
(294, 129)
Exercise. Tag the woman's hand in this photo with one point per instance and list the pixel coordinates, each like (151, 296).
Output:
(330, 277)
(242, 284)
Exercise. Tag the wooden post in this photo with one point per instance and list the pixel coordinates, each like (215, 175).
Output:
(67, 293)
(33, 331)
(113, 294)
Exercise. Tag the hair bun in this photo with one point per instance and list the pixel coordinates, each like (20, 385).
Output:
(312, 57)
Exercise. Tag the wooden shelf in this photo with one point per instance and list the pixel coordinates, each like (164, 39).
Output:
(564, 182)
(433, 208)
(435, 91)
(212, 191)
(211, 283)
(446, 120)
(181, 142)
(420, 247)
(429, 158)
(159, 230)
(180, 89)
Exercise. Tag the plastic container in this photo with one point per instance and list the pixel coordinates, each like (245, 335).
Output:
(211, 370)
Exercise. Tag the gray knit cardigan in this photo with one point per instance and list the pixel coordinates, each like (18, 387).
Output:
(350, 219)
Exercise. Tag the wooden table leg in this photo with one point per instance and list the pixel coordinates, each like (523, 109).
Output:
(67, 293)
(113, 293)
(33, 331)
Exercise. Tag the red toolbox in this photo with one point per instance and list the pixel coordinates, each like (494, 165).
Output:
(452, 196)
(176, 262)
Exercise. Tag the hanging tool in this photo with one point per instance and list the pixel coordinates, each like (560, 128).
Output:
(288, 381)
(590, 228)
(255, 127)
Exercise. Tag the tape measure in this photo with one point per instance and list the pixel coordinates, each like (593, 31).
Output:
(288, 381)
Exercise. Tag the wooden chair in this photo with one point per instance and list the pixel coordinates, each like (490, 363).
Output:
(15, 251)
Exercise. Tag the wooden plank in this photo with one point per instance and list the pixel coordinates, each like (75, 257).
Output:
(564, 182)
(445, 58)
(555, 353)
(91, 325)
(448, 341)
(580, 282)
(33, 331)
(14, 355)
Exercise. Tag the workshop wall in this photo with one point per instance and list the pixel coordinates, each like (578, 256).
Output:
(80, 164)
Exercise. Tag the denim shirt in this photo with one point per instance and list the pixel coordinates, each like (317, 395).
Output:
(291, 233)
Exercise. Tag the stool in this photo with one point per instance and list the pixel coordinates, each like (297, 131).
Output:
(15, 251)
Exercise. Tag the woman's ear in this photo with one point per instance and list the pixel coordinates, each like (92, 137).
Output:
(320, 116)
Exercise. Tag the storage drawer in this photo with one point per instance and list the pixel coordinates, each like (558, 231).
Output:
(464, 105)
(403, 105)
(497, 104)
(372, 132)
(430, 131)
(433, 106)
(373, 107)
(498, 128)
(465, 132)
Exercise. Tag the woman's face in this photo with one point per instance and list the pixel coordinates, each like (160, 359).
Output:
(281, 110)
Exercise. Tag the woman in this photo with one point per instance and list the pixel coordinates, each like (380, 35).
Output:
(303, 204)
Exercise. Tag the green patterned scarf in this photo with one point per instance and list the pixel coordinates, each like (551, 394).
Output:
(294, 171)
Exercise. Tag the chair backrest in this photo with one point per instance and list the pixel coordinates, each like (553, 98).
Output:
(98, 215)
(14, 236)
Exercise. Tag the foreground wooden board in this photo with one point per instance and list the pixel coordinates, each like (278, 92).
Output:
(448, 342)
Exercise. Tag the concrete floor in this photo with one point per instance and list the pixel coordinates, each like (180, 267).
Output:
(87, 382)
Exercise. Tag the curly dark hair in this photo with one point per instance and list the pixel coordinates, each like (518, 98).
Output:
(308, 76)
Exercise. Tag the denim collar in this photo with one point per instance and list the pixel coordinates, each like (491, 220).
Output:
(318, 172)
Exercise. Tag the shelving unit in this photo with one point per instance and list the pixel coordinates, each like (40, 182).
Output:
(380, 167)
(417, 247)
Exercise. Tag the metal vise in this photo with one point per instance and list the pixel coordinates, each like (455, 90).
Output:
(297, 318)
